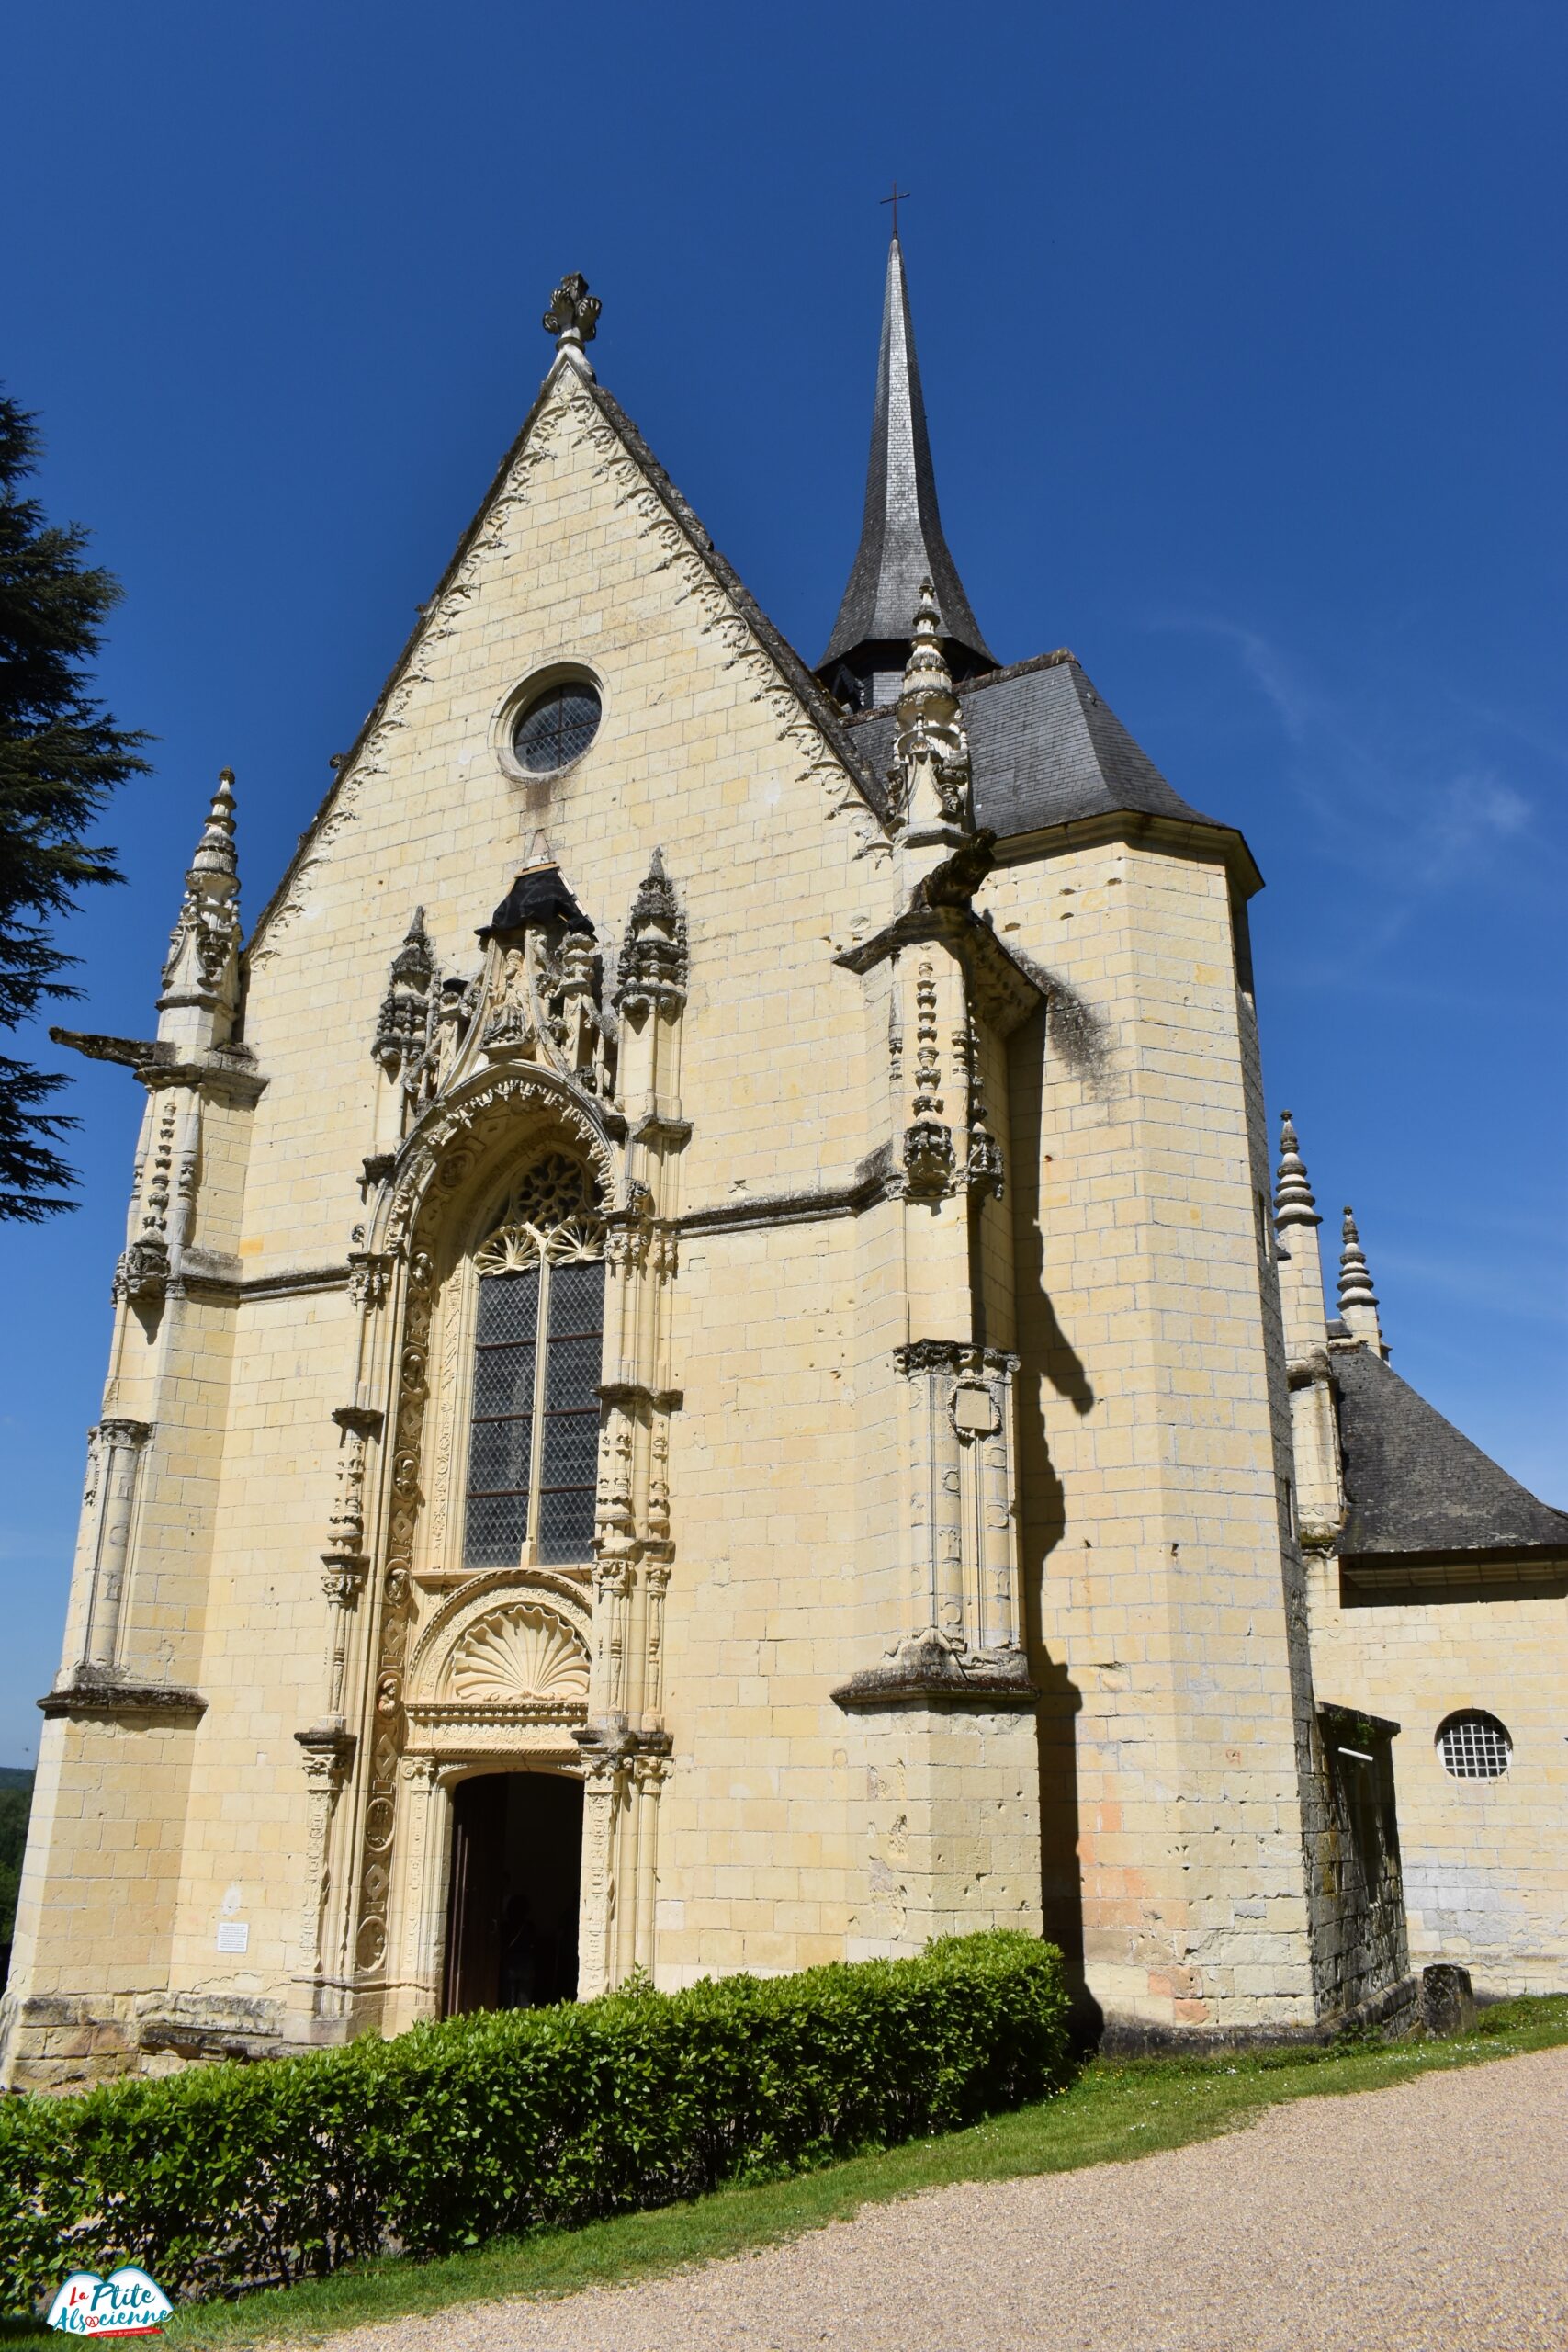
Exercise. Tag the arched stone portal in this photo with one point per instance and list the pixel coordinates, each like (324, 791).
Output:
(515, 1888)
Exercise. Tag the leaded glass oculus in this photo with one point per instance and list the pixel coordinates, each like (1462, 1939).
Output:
(556, 727)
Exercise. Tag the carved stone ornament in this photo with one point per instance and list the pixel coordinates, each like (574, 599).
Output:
(654, 963)
(202, 964)
(143, 1271)
(518, 1655)
(402, 1027)
(929, 783)
(927, 1158)
(574, 315)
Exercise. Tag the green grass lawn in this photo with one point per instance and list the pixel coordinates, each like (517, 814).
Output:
(1112, 2113)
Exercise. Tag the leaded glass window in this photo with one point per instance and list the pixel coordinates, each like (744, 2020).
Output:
(557, 728)
(534, 1431)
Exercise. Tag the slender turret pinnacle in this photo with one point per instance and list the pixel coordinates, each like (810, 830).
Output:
(1357, 1300)
(201, 977)
(1301, 1272)
(931, 797)
(1293, 1202)
(901, 543)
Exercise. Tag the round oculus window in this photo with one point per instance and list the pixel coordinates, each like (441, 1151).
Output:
(556, 727)
(1475, 1747)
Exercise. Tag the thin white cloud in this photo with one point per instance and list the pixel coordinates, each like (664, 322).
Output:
(1398, 827)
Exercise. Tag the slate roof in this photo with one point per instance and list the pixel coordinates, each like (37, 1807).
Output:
(902, 539)
(1045, 749)
(1415, 1484)
(539, 895)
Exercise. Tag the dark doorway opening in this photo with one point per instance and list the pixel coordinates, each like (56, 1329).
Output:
(512, 1907)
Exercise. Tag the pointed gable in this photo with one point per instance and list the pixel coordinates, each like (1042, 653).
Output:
(803, 713)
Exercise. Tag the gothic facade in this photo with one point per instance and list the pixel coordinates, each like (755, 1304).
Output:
(704, 1376)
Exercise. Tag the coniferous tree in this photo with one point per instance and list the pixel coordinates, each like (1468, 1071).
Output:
(60, 757)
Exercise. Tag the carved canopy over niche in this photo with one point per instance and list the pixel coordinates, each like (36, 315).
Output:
(517, 1654)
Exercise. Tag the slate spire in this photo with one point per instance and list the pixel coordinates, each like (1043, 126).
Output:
(901, 543)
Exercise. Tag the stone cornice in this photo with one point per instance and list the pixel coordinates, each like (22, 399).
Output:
(102, 1692)
(1177, 837)
(926, 1673)
(880, 1183)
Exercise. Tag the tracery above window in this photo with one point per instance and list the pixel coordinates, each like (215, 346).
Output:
(534, 1433)
(550, 1214)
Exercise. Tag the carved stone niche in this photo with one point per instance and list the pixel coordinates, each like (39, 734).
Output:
(963, 1640)
(518, 1655)
(503, 1666)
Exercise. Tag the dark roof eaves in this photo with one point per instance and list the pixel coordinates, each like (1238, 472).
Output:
(1197, 836)
(1543, 1554)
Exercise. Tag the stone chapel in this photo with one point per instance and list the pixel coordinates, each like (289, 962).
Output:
(749, 1397)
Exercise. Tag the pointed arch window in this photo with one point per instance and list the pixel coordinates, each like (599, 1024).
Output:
(534, 1431)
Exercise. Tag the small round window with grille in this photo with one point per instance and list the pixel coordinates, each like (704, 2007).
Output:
(556, 727)
(1475, 1747)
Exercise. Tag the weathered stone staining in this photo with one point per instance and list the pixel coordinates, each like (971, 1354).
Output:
(760, 1303)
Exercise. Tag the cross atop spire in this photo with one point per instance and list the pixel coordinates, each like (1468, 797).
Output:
(901, 543)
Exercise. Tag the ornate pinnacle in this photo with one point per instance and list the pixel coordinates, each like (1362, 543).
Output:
(414, 960)
(200, 976)
(574, 315)
(215, 852)
(1355, 1282)
(931, 755)
(1293, 1202)
(928, 683)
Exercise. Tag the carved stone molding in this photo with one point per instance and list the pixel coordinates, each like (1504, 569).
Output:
(926, 1670)
(478, 1116)
(963, 1637)
(94, 1693)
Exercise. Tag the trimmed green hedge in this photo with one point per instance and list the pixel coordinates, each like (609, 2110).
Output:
(493, 2126)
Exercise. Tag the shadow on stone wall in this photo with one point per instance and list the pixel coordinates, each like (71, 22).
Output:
(1046, 1354)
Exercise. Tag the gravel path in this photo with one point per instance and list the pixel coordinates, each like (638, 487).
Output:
(1428, 2218)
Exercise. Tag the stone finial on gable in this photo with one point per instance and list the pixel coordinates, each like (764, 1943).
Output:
(1294, 1201)
(201, 978)
(573, 318)
(1357, 1300)
(930, 779)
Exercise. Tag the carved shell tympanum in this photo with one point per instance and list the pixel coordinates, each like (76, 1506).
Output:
(516, 1654)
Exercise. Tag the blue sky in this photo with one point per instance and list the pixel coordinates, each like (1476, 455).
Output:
(1243, 341)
